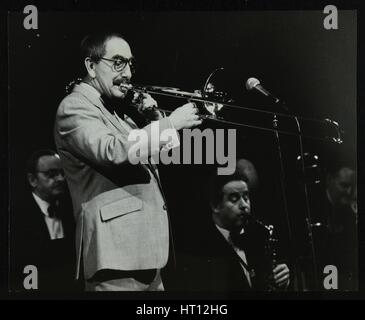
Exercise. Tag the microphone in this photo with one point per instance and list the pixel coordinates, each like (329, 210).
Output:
(253, 83)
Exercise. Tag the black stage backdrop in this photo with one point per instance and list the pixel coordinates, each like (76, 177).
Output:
(312, 68)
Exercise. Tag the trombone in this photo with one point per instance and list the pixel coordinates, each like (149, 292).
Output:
(213, 105)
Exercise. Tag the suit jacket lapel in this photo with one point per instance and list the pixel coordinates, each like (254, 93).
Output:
(38, 221)
(95, 100)
(225, 251)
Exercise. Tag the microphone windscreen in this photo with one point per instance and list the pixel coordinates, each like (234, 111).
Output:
(251, 83)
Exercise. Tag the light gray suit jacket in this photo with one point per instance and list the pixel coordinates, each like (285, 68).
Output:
(120, 212)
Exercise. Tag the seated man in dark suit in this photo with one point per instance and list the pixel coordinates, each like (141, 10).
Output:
(337, 243)
(42, 228)
(231, 251)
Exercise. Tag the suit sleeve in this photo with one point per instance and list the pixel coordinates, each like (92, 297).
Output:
(80, 128)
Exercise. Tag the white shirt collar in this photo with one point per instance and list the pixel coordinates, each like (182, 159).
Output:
(226, 232)
(54, 225)
(43, 205)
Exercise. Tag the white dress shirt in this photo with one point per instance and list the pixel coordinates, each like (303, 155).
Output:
(240, 252)
(54, 224)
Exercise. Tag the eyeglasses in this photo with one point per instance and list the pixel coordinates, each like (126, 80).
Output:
(53, 173)
(119, 64)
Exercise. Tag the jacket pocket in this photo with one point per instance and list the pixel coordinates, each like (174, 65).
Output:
(120, 208)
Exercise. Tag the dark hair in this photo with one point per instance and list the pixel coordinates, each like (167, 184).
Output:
(32, 163)
(337, 157)
(93, 45)
(217, 182)
(334, 167)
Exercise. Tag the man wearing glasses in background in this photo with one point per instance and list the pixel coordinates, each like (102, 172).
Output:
(122, 227)
(43, 228)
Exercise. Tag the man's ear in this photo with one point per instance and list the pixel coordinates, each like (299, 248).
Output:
(32, 180)
(214, 206)
(90, 67)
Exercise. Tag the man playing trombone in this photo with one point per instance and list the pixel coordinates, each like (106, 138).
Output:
(122, 232)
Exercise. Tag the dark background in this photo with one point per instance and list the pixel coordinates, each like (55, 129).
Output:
(313, 69)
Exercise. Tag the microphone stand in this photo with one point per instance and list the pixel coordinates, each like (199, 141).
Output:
(283, 189)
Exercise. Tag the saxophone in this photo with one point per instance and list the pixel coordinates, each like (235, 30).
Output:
(270, 253)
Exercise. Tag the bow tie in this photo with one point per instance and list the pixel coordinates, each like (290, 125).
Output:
(53, 210)
(238, 240)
